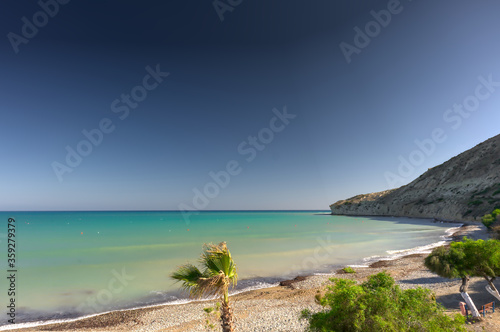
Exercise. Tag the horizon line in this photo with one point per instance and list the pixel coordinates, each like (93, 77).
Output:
(191, 211)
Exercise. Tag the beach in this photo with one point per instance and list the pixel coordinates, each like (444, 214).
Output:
(278, 308)
(75, 264)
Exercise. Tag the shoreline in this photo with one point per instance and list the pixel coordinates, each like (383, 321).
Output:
(109, 321)
(261, 284)
(409, 217)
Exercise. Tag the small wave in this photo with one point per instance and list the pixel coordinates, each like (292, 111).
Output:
(426, 249)
(449, 233)
(258, 285)
(395, 254)
(253, 285)
(249, 285)
(417, 250)
(46, 322)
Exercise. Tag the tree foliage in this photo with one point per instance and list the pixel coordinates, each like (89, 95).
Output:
(380, 305)
(483, 257)
(218, 273)
(467, 258)
(448, 262)
(490, 219)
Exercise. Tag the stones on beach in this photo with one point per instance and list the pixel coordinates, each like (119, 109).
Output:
(288, 283)
(380, 264)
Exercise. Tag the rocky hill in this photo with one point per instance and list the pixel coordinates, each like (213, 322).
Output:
(463, 189)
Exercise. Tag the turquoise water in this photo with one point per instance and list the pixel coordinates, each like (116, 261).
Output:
(75, 263)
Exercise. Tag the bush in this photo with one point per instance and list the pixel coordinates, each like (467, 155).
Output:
(489, 219)
(212, 317)
(475, 203)
(380, 305)
(348, 269)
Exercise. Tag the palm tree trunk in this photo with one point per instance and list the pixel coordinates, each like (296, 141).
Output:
(226, 317)
(468, 300)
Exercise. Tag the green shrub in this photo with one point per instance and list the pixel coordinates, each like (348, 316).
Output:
(475, 203)
(212, 317)
(380, 305)
(489, 219)
(348, 269)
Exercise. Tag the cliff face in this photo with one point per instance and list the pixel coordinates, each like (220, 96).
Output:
(463, 189)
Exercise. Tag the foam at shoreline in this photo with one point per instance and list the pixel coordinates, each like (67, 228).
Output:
(426, 249)
(392, 255)
(258, 285)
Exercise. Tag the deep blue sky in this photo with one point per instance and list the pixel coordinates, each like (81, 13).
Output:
(353, 121)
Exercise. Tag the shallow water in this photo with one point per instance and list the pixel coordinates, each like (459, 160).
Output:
(74, 263)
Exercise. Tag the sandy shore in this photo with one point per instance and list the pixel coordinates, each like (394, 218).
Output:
(278, 308)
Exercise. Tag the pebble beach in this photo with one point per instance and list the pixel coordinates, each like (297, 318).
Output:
(278, 308)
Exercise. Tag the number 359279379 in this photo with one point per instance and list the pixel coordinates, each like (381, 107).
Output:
(11, 243)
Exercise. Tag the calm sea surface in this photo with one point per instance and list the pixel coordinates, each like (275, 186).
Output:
(75, 263)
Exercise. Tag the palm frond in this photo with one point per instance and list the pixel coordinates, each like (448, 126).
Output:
(215, 285)
(217, 275)
(217, 259)
(190, 277)
(219, 272)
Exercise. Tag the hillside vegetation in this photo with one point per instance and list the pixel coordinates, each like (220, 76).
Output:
(464, 188)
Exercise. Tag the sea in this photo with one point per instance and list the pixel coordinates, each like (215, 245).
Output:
(73, 264)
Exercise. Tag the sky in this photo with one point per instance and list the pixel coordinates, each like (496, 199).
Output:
(237, 104)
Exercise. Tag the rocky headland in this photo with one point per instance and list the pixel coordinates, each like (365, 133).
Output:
(464, 188)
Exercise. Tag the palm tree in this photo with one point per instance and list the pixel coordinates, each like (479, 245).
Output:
(217, 275)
